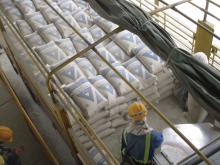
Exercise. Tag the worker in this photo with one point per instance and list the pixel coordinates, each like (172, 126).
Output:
(7, 155)
(139, 142)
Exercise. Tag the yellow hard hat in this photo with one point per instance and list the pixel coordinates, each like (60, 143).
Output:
(137, 111)
(6, 134)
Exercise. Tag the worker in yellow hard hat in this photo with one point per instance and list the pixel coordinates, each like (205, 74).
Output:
(139, 142)
(8, 156)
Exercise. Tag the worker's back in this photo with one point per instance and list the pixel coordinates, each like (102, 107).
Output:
(140, 149)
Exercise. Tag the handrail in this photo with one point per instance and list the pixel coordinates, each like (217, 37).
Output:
(136, 91)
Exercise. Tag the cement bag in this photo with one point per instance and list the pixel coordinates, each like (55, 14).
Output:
(70, 73)
(23, 27)
(81, 4)
(50, 53)
(67, 46)
(106, 25)
(97, 61)
(103, 127)
(101, 115)
(63, 27)
(34, 40)
(150, 60)
(100, 122)
(4, 4)
(68, 6)
(39, 3)
(86, 67)
(83, 19)
(48, 13)
(98, 33)
(79, 43)
(126, 40)
(13, 14)
(49, 33)
(121, 87)
(117, 52)
(25, 6)
(164, 75)
(138, 70)
(86, 96)
(166, 82)
(118, 122)
(36, 20)
(97, 157)
(149, 91)
(106, 132)
(118, 108)
(105, 88)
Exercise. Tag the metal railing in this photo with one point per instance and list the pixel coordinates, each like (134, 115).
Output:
(66, 99)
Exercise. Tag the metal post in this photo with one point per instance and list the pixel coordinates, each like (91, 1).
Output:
(206, 8)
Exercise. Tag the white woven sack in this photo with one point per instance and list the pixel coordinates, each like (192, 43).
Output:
(100, 121)
(34, 40)
(137, 69)
(81, 4)
(126, 40)
(83, 19)
(105, 88)
(79, 133)
(79, 43)
(68, 6)
(13, 14)
(86, 67)
(39, 3)
(98, 116)
(97, 157)
(70, 73)
(106, 132)
(98, 33)
(117, 109)
(121, 87)
(149, 91)
(165, 89)
(25, 6)
(63, 27)
(36, 20)
(106, 25)
(4, 4)
(48, 13)
(118, 122)
(150, 60)
(103, 127)
(164, 75)
(86, 96)
(23, 27)
(50, 53)
(117, 52)
(98, 62)
(165, 83)
(67, 46)
(49, 33)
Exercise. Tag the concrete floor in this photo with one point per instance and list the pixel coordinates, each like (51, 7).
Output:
(11, 117)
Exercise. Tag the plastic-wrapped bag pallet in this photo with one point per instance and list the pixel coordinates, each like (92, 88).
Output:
(25, 6)
(97, 61)
(24, 27)
(117, 52)
(121, 87)
(49, 33)
(34, 40)
(70, 73)
(63, 27)
(50, 53)
(67, 46)
(79, 43)
(106, 25)
(98, 33)
(138, 69)
(36, 20)
(150, 60)
(83, 19)
(86, 96)
(105, 88)
(13, 14)
(86, 67)
(126, 40)
(68, 6)
(48, 13)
